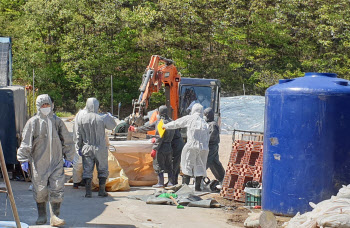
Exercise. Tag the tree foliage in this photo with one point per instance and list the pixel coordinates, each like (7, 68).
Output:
(75, 46)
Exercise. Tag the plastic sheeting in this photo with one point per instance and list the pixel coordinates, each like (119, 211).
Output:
(12, 120)
(117, 180)
(5, 61)
(20, 107)
(334, 212)
(242, 113)
(185, 196)
(134, 157)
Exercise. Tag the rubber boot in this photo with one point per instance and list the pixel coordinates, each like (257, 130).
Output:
(170, 179)
(88, 193)
(176, 177)
(42, 217)
(55, 212)
(160, 183)
(102, 189)
(186, 179)
(82, 183)
(198, 183)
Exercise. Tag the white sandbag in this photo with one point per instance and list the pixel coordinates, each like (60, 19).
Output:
(334, 212)
(267, 220)
(344, 192)
(334, 220)
(252, 220)
(303, 220)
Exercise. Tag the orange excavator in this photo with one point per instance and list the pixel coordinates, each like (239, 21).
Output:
(180, 93)
(160, 71)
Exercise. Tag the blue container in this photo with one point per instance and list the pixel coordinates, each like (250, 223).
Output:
(307, 142)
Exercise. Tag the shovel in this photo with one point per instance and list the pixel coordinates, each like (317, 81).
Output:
(171, 196)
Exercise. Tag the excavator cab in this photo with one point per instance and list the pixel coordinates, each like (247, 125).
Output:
(197, 90)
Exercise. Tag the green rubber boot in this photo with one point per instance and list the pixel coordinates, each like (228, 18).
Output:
(42, 217)
(198, 183)
(88, 191)
(102, 189)
(186, 179)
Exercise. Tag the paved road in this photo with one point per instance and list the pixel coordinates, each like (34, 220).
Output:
(117, 210)
(114, 211)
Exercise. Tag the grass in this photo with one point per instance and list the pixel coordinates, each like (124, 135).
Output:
(63, 114)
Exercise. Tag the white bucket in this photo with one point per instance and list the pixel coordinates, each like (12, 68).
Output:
(11, 224)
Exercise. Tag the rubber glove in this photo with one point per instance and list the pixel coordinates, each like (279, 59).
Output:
(153, 153)
(80, 152)
(67, 163)
(108, 113)
(25, 166)
(153, 140)
(132, 128)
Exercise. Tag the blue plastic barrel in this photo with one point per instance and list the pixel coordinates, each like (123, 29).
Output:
(307, 142)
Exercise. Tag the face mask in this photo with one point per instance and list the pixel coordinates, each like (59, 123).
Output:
(158, 117)
(205, 118)
(45, 111)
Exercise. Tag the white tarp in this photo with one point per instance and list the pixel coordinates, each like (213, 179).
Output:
(242, 113)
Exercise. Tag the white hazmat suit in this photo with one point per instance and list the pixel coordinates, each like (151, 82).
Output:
(45, 142)
(92, 143)
(195, 152)
(77, 162)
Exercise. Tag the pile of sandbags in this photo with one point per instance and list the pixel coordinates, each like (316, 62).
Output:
(334, 212)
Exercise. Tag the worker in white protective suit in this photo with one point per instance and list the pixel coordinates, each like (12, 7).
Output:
(91, 142)
(202, 100)
(45, 142)
(195, 152)
(78, 161)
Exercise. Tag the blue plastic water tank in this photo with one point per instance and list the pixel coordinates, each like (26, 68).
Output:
(307, 142)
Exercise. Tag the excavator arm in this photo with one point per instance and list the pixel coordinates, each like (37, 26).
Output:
(160, 71)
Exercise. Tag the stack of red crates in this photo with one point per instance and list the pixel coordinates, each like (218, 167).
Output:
(245, 165)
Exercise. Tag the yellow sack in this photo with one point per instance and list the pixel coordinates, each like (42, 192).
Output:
(135, 159)
(160, 128)
(117, 180)
(138, 167)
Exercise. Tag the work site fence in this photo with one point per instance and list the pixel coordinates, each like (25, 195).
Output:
(256, 136)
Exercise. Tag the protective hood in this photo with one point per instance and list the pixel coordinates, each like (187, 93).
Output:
(208, 112)
(92, 105)
(197, 109)
(163, 111)
(43, 99)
